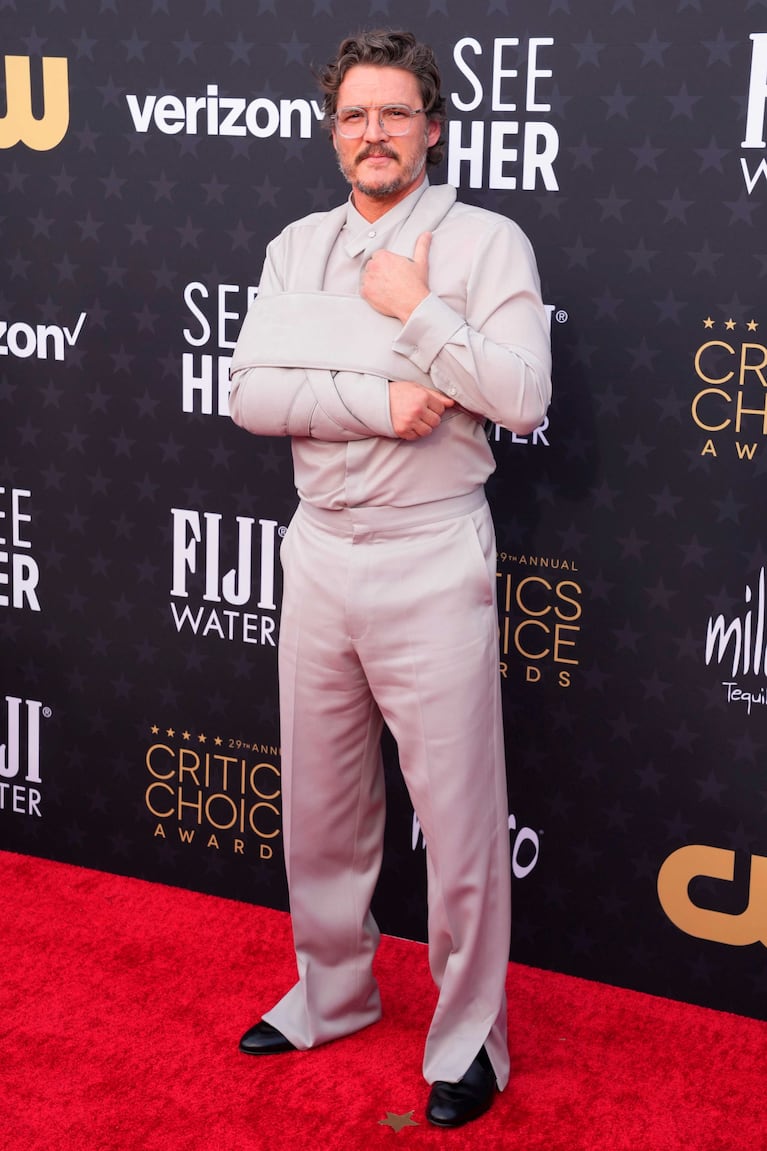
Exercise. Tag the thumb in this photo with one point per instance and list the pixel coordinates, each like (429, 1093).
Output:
(445, 400)
(421, 251)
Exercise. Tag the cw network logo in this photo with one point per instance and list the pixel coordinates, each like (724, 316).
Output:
(737, 929)
(20, 124)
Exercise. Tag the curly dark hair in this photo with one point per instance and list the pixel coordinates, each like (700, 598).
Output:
(390, 49)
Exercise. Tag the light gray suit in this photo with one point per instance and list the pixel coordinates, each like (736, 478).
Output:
(389, 603)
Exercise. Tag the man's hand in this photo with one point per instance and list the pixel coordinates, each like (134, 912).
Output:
(395, 285)
(415, 410)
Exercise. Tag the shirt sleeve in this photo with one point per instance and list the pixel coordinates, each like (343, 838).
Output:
(323, 405)
(495, 360)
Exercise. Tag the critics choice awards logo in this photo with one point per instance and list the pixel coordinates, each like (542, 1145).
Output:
(540, 618)
(729, 403)
(214, 793)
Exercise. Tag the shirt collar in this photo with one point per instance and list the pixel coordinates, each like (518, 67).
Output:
(360, 235)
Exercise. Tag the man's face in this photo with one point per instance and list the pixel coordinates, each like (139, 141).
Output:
(383, 169)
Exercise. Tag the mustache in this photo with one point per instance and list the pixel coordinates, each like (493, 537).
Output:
(377, 150)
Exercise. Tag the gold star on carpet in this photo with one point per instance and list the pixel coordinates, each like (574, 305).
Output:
(397, 1122)
(708, 322)
(752, 325)
(729, 325)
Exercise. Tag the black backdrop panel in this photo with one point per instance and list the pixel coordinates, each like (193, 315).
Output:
(149, 152)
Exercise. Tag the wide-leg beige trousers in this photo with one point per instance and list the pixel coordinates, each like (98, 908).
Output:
(389, 614)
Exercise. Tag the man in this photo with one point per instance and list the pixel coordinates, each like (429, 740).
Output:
(384, 335)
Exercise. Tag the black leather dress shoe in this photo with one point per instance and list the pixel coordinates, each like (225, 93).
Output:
(453, 1104)
(263, 1039)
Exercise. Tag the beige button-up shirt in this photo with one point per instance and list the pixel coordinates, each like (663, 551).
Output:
(481, 337)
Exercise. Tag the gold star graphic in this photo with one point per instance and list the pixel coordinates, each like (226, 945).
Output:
(218, 741)
(397, 1122)
(752, 325)
(708, 322)
(155, 729)
(729, 325)
(202, 738)
(187, 735)
(170, 732)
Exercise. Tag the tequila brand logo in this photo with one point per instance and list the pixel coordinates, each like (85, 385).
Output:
(203, 546)
(20, 756)
(738, 929)
(730, 403)
(20, 124)
(740, 645)
(755, 169)
(215, 320)
(516, 148)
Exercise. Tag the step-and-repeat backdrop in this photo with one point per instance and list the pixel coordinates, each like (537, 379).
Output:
(149, 150)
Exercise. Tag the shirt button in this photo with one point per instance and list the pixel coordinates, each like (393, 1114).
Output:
(372, 235)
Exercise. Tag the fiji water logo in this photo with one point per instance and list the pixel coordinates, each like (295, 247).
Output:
(20, 756)
(210, 598)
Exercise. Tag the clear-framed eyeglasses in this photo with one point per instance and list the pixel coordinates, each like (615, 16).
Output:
(393, 119)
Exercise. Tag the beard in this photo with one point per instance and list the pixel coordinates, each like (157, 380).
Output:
(406, 176)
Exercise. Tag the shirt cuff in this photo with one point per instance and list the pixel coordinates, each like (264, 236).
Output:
(426, 332)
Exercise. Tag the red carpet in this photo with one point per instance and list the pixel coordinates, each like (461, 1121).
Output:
(122, 1002)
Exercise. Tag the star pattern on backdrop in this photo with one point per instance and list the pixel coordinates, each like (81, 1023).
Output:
(650, 233)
